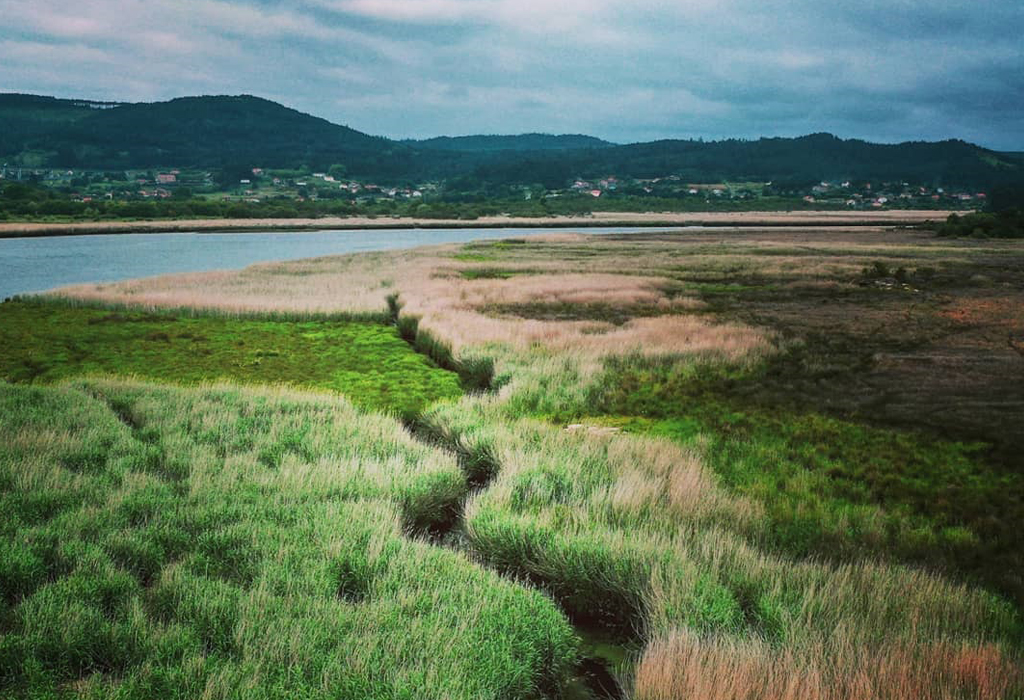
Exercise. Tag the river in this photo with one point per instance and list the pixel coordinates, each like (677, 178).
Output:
(37, 264)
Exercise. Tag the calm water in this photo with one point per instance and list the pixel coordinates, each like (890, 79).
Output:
(38, 264)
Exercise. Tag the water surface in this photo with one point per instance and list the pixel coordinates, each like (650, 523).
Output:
(37, 264)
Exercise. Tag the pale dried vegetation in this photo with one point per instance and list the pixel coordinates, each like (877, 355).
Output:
(682, 665)
(454, 309)
(343, 284)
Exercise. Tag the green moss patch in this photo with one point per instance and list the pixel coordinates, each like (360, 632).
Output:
(368, 362)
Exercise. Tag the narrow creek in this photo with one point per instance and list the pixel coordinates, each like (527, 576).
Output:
(603, 652)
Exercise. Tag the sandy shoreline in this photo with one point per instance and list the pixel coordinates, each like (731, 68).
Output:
(795, 218)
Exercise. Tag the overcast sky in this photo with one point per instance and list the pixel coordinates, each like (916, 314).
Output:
(625, 70)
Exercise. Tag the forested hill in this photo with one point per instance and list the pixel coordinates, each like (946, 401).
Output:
(239, 132)
(522, 142)
(798, 160)
(213, 132)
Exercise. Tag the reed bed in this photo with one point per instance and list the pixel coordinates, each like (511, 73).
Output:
(682, 664)
(450, 308)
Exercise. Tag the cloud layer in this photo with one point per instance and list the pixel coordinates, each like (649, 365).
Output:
(646, 69)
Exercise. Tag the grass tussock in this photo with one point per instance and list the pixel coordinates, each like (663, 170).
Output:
(220, 542)
(634, 535)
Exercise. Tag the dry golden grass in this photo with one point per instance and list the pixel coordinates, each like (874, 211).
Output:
(350, 284)
(596, 219)
(566, 268)
(682, 665)
(450, 307)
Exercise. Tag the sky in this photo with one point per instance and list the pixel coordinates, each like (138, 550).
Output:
(624, 70)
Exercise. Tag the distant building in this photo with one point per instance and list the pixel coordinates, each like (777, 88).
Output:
(166, 178)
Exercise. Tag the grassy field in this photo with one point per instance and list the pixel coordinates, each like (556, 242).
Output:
(832, 487)
(220, 542)
(368, 362)
(755, 464)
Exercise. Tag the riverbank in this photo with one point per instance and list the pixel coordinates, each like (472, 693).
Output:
(597, 219)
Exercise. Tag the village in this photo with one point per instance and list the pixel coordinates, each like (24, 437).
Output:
(259, 185)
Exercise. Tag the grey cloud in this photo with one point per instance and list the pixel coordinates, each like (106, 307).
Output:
(894, 70)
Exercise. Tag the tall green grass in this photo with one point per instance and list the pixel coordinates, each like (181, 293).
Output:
(635, 535)
(831, 486)
(221, 542)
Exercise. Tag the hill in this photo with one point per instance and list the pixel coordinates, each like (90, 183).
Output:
(797, 160)
(522, 142)
(212, 132)
(230, 133)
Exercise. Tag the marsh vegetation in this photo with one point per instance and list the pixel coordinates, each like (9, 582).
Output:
(729, 465)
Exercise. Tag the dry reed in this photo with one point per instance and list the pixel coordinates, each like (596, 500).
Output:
(682, 665)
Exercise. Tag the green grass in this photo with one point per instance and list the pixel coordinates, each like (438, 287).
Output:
(494, 273)
(226, 543)
(473, 257)
(832, 487)
(633, 537)
(599, 312)
(45, 342)
(264, 543)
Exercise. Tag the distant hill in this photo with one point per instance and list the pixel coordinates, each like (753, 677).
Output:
(231, 133)
(522, 142)
(189, 131)
(803, 159)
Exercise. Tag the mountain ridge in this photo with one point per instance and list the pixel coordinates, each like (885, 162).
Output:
(238, 131)
(532, 141)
